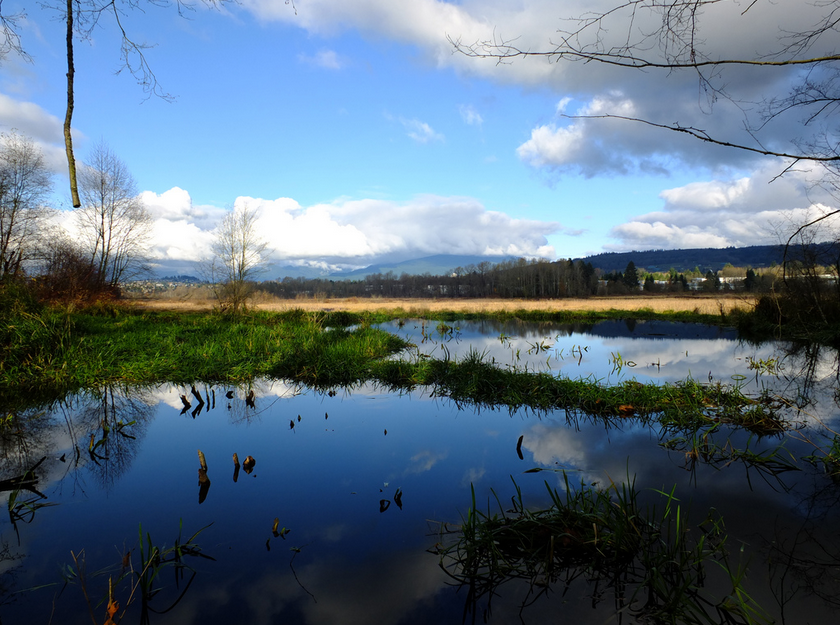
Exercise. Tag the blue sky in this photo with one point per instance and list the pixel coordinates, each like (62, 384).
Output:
(361, 135)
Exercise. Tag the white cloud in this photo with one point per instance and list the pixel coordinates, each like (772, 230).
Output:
(45, 129)
(748, 210)
(350, 232)
(325, 59)
(594, 147)
(181, 230)
(420, 131)
(594, 140)
(470, 116)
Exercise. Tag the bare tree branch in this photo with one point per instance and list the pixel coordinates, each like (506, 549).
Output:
(705, 136)
(10, 34)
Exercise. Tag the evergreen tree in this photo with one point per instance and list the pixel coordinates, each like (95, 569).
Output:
(750, 281)
(631, 276)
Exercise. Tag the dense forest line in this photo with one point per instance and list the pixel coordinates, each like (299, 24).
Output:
(708, 258)
(521, 278)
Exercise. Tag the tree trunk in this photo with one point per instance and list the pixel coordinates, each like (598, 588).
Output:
(68, 139)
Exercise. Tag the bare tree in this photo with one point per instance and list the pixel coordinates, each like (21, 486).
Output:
(239, 254)
(81, 18)
(115, 225)
(25, 182)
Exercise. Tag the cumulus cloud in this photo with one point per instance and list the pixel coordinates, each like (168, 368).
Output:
(350, 232)
(182, 231)
(604, 136)
(750, 210)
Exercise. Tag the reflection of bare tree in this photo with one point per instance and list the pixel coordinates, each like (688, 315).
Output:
(108, 423)
(805, 560)
(811, 370)
(8, 572)
(25, 436)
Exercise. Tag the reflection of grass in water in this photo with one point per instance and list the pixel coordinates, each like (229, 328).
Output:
(126, 583)
(829, 458)
(652, 560)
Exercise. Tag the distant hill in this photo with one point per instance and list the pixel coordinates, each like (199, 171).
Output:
(681, 260)
(437, 265)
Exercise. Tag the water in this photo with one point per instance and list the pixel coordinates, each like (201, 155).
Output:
(360, 480)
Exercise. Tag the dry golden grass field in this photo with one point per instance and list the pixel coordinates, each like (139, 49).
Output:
(691, 303)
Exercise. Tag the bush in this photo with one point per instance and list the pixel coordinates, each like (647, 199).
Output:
(17, 297)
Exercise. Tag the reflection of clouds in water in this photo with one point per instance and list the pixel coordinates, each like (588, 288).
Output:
(558, 447)
(383, 591)
(473, 475)
(334, 533)
(170, 394)
(589, 452)
(423, 461)
(578, 354)
(551, 445)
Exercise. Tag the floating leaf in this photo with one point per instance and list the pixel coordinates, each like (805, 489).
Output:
(384, 504)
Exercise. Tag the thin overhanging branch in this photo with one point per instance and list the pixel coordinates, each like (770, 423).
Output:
(797, 232)
(505, 50)
(704, 136)
(10, 35)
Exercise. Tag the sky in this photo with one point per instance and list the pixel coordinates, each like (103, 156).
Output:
(361, 135)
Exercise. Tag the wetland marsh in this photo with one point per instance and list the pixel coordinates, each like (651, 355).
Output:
(395, 488)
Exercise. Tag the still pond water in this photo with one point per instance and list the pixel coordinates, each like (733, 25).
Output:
(360, 480)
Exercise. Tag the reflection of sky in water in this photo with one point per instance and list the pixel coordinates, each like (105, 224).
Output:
(324, 464)
(615, 351)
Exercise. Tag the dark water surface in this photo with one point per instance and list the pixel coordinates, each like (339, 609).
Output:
(360, 480)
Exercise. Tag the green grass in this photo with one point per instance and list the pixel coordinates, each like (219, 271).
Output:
(684, 405)
(57, 352)
(47, 355)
